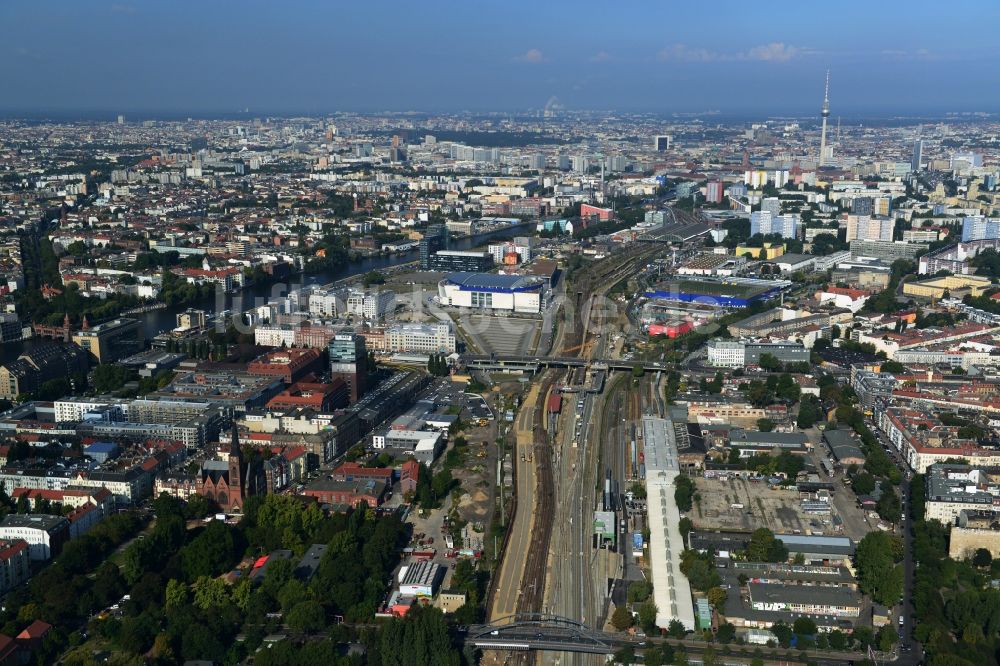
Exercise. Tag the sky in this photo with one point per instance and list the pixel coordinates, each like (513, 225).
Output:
(323, 56)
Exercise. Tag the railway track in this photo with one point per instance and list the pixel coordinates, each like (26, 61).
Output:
(596, 279)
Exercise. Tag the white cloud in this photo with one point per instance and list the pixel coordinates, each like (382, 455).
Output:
(773, 52)
(532, 56)
(684, 53)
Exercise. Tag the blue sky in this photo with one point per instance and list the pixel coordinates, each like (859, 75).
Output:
(322, 56)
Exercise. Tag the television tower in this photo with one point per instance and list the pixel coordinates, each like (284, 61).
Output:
(826, 114)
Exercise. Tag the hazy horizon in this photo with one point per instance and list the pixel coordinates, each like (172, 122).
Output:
(305, 57)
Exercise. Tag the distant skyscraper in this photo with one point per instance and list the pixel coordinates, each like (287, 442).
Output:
(918, 155)
(826, 114)
(661, 143)
(121, 119)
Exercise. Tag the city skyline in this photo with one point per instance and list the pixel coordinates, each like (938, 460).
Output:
(308, 58)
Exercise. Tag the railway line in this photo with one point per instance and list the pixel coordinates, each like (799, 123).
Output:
(593, 282)
(533, 554)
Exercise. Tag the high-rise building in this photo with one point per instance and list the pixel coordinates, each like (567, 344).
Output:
(764, 222)
(349, 362)
(771, 204)
(714, 191)
(918, 155)
(978, 227)
(863, 206)
(435, 238)
(121, 119)
(661, 143)
(825, 113)
(870, 227)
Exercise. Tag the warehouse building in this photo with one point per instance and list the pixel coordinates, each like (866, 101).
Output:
(671, 590)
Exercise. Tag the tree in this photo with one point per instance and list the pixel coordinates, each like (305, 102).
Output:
(621, 619)
(639, 590)
(684, 490)
(210, 593)
(982, 558)
(717, 597)
(837, 640)
(863, 483)
(421, 637)
(804, 626)
(769, 362)
(726, 633)
(685, 525)
(676, 629)
(878, 576)
(176, 594)
(647, 616)
(888, 506)
(783, 633)
(307, 616)
(765, 547)
(372, 278)
(809, 412)
(765, 425)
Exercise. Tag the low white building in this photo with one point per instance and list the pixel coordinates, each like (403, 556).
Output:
(274, 336)
(44, 533)
(371, 304)
(726, 354)
(427, 338)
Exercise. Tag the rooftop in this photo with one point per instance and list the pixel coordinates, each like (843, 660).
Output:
(491, 281)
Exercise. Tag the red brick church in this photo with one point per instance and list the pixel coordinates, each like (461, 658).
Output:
(223, 481)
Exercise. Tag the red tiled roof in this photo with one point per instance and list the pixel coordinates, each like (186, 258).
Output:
(35, 630)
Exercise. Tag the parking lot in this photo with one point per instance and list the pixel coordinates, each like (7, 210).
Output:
(740, 504)
(502, 335)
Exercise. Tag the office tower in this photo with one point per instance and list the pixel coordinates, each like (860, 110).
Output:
(661, 143)
(825, 113)
(977, 227)
(349, 362)
(870, 228)
(713, 191)
(435, 238)
(536, 161)
(918, 155)
(563, 163)
(121, 119)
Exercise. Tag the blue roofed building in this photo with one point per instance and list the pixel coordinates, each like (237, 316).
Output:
(102, 452)
(487, 291)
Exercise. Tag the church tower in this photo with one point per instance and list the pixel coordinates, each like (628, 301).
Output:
(235, 471)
